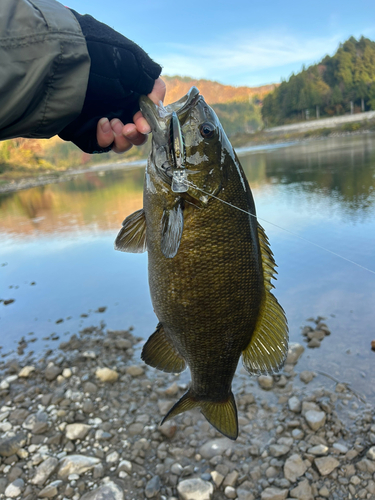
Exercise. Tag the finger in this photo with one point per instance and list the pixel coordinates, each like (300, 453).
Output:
(104, 133)
(133, 135)
(121, 143)
(141, 123)
(158, 92)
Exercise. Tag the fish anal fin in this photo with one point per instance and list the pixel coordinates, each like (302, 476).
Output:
(132, 235)
(172, 226)
(268, 346)
(220, 414)
(159, 353)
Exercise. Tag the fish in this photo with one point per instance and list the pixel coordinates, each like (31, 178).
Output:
(210, 264)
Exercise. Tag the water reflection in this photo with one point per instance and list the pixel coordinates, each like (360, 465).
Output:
(61, 236)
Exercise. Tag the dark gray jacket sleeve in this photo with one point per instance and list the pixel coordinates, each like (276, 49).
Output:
(44, 68)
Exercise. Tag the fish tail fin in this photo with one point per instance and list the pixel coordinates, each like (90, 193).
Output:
(221, 414)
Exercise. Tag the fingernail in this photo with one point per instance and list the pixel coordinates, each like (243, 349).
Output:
(117, 127)
(104, 125)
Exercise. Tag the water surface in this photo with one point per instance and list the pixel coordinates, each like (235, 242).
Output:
(57, 259)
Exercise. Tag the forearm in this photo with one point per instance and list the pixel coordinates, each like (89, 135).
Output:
(44, 68)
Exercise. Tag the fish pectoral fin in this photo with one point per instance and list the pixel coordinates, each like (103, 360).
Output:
(132, 235)
(172, 225)
(268, 346)
(220, 414)
(160, 353)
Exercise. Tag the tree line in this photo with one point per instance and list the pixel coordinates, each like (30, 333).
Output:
(343, 83)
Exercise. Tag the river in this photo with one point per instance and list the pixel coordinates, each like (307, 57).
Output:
(58, 263)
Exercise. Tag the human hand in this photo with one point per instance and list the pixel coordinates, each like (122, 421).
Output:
(120, 72)
(125, 136)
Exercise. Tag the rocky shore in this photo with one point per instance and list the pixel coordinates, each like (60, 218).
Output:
(82, 422)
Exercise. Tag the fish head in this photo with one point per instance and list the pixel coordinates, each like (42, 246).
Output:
(189, 147)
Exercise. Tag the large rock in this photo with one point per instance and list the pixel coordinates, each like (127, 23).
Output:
(110, 491)
(195, 489)
(44, 470)
(215, 447)
(326, 465)
(294, 468)
(76, 464)
(274, 494)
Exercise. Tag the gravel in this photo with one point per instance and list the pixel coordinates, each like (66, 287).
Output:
(82, 423)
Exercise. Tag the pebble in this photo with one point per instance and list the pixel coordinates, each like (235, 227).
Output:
(295, 351)
(315, 419)
(109, 491)
(294, 468)
(135, 370)
(106, 375)
(318, 450)
(51, 490)
(371, 453)
(230, 492)
(76, 464)
(217, 478)
(326, 465)
(274, 494)
(195, 489)
(52, 371)
(153, 487)
(215, 447)
(26, 371)
(76, 431)
(265, 382)
(14, 489)
(306, 376)
(303, 491)
(294, 404)
(44, 470)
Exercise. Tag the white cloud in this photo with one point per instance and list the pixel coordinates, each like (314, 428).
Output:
(233, 59)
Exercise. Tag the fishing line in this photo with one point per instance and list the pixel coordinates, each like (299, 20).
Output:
(283, 229)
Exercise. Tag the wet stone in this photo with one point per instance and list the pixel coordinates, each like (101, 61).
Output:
(294, 404)
(135, 370)
(295, 351)
(306, 376)
(266, 382)
(52, 371)
(315, 419)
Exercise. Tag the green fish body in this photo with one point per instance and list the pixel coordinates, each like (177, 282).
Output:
(209, 263)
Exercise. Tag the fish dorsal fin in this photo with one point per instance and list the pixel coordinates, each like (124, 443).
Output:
(268, 347)
(160, 353)
(221, 414)
(132, 235)
(172, 225)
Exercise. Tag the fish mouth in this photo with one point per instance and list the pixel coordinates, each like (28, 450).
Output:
(159, 116)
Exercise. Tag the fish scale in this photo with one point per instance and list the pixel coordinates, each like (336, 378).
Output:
(209, 266)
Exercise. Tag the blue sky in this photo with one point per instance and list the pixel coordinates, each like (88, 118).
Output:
(236, 42)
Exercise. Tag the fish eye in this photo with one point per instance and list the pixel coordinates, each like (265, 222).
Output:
(207, 130)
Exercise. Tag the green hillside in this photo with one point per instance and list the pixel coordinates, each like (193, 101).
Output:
(337, 85)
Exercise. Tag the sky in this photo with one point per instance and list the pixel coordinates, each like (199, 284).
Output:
(235, 42)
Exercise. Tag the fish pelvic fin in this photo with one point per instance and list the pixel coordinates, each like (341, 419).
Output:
(160, 353)
(268, 347)
(132, 235)
(220, 414)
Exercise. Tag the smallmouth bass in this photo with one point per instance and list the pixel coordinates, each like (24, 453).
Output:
(210, 265)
